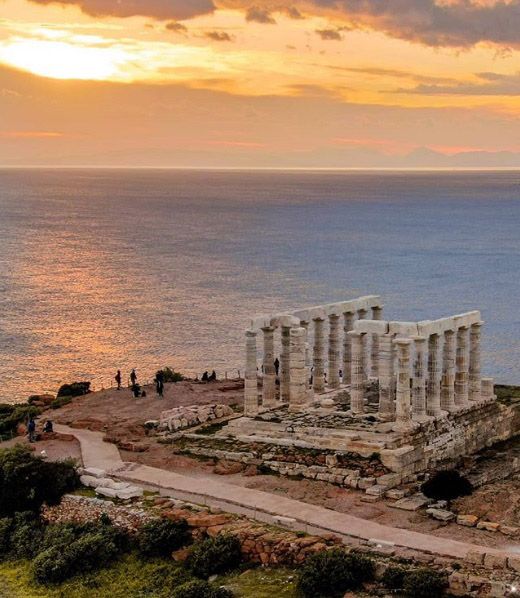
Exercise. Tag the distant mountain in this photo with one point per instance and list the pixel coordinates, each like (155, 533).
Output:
(428, 158)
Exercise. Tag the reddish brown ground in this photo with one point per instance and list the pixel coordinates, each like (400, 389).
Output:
(121, 416)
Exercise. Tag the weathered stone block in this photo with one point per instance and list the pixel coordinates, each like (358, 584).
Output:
(467, 520)
(489, 526)
(441, 514)
(495, 560)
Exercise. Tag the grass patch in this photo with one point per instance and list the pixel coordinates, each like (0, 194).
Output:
(507, 394)
(84, 491)
(261, 583)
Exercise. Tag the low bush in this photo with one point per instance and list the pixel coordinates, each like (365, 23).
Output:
(200, 589)
(161, 537)
(26, 481)
(170, 375)
(89, 552)
(393, 578)
(214, 555)
(61, 402)
(6, 526)
(26, 536)
(76, 389)
(424, 583)
(446, 485)
(13, 415)
(333, 572)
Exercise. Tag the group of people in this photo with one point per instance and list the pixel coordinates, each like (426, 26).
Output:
(48, 428)
(135, 386)
(207, 377)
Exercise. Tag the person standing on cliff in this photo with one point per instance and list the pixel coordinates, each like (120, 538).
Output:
(133, 377)
(31, 429)
(277, 365)
(118, 379)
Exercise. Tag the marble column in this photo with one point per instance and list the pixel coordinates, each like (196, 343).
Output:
(362, 315)
(461, 368)
(386, 377)
(357, 386)
(419, 379)
(448, 372)
(403, 419)
(251, 377)
(433, 385)
(334, 352)
(308, 359)
(318, 372)
(299, 374)
(284, 364)
(377, 314)
(488, 389)
(475, 383)
(348, 325)
(269, 377)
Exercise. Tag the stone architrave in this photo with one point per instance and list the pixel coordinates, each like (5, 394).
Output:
(386, 377)
(299, 374)
(334, 352)
(357, 386)
(419, 379)
(403, 412)
(362, 315)
(433, 387)
(475, 383)
(348, 325)
(251, 377)
(448, 372)
(318, 371)
(285, 375)
(377, 314)
(269, 377)
(461, 368)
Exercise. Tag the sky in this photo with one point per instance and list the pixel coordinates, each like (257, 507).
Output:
(260, 83)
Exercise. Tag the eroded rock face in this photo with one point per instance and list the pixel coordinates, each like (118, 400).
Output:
(228, 468)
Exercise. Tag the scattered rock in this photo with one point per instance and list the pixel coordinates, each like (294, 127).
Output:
(489, 526)
(441, 514)
(467, 520)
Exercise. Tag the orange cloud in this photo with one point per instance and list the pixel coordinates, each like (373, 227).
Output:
(29, 134)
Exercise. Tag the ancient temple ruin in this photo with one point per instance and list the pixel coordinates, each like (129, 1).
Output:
(422, 369)
(350, 382)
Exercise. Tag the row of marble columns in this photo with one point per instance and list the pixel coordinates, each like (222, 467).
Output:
(295, 343)
(433, 382)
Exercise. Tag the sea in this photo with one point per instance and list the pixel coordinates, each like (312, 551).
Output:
(106, 269)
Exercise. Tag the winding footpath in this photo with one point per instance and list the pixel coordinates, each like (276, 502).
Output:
(262, 506)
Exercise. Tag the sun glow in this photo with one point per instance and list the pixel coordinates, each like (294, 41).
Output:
(61, 60)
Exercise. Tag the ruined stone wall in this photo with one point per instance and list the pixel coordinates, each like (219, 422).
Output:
(443, 441)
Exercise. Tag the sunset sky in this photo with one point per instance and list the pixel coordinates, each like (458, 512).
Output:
(296, 83)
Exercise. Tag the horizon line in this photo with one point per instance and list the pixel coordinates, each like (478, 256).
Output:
(266, 168)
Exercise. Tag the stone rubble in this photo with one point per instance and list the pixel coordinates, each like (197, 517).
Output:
(180, 418)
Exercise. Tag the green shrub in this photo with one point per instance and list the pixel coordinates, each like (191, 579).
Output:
(424, 583)
(89, 552)
(6, 526)
(170, 375)
(26, 536)
(51, 566)
(13, 415)
(61, 402)
(161, 537)
(76, 389)
(446, 485)
(333, 572)
(214, 555)
(200, 589)
(393, 578)
(26, 481)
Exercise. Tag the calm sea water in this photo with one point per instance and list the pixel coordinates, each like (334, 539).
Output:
(101, 269)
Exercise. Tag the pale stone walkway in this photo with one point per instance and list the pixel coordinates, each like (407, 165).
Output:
(260, 505)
